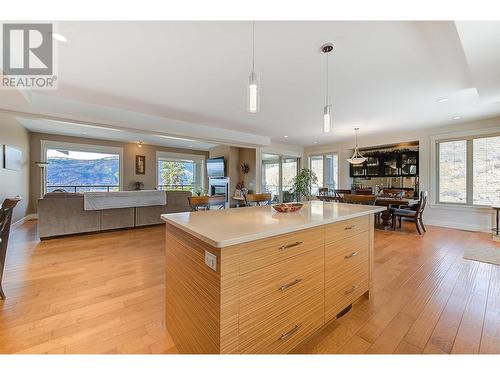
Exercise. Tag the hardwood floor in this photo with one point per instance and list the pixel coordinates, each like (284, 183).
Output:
(103, 293)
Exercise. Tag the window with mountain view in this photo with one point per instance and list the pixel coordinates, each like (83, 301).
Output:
(180, 174)
(469, 171)
(80, 171)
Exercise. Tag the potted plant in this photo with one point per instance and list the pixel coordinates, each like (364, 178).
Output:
(302, 183)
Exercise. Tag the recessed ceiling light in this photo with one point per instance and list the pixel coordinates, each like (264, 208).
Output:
(84, 133)
(59, 37)
(190, 145)
(285, 136)
(442, 100)
(315, 142)
(457, 117)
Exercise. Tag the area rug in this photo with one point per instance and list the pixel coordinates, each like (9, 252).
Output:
(484, 254)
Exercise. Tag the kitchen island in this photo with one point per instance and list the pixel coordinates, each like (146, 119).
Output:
(252, 280)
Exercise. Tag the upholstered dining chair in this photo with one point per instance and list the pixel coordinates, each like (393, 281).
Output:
(411, 213)
(5, 220)
(323, 191)
(258, 199)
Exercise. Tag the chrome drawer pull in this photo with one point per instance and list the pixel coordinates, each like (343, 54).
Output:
(351, 227)
(286, 247)
(290, 333)
(352, 289)
(286, 286)
(351, 255)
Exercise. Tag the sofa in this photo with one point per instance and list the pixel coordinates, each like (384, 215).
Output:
(61, 214)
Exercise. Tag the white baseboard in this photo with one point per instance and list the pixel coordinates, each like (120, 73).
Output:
(447, 224)
(24, 219)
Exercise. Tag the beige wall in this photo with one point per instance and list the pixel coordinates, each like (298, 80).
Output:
(14, 183)
(130, 150)
(248, 155)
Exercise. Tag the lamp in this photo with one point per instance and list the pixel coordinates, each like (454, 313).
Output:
(356, 157)
(253, 84)
(327, 119)
(42, 165)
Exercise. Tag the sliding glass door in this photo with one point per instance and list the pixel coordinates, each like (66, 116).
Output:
(326, 168)
(278, 172)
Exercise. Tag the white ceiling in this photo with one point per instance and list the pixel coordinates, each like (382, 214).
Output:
(109, 133)
(189, 78)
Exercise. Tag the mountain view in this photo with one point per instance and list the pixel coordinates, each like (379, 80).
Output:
(68, 172)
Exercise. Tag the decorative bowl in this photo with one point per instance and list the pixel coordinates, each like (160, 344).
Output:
(287, 207)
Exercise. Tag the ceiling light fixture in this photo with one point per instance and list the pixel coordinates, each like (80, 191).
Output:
(140, 144)
(356, 157)
(175, 138)
(327, 121)
(315, 142)
(457, 117)
(59, 37)
(285, 136)
(442, 100)
(253, 85)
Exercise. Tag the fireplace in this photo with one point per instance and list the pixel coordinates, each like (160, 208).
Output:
(219, 186)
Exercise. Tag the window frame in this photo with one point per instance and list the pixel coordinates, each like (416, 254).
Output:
(82, 147)
(469, 137)
(324, 155)
(175, 156)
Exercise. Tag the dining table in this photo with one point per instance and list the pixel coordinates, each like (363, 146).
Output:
(381, 200)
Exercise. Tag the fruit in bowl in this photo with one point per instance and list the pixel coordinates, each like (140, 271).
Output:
(287, 207)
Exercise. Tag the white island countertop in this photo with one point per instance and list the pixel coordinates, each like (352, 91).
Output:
(222, 228)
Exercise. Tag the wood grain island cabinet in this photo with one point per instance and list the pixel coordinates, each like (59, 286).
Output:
(251, 280)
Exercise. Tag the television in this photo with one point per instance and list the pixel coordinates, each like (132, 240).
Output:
(215, 167)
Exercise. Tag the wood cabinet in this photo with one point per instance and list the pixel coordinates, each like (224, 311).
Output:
(265, 296)
(391, 164)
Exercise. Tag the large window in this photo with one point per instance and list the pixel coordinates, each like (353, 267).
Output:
(180, 172)
(80, 168)
(453, 172)
(326, 168)
(468, 171)
(278, 171)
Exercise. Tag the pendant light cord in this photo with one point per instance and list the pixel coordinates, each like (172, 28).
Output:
(253, 46)
(326, 79)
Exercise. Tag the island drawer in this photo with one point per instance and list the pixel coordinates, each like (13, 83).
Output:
(344, 289)
(346, 228)
(273, 290)
(262, 253)
(342, 256)
(287, 330)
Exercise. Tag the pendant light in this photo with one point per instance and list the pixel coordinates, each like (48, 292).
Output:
(356, 157)
(253, 85)
(327, 120)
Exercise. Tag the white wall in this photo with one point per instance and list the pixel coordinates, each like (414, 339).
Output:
(469, 218)
(14, 183)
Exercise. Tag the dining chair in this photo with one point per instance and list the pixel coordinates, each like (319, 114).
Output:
(5, 221)
(258, 199)
(360, 199)
(199, 203)
(323, 191)
(413, 214)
